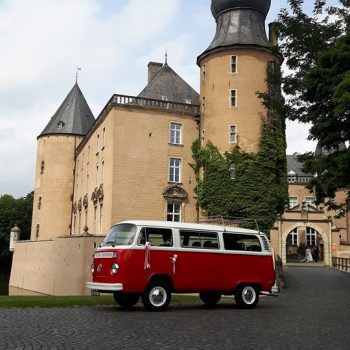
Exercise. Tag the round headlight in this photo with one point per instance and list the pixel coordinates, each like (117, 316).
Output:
(92, 268)
(115, 269)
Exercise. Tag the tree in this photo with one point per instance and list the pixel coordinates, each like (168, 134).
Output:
(14, 211)
(317, 53)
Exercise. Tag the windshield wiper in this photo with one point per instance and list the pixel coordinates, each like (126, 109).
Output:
(112, 243)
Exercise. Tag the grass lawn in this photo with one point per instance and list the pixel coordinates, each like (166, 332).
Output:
(49, 301)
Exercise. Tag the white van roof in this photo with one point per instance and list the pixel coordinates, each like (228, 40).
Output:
(189, 226)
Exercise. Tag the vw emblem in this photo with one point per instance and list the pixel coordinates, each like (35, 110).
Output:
(99, 268)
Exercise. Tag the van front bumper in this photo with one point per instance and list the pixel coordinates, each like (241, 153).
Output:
(105, 287)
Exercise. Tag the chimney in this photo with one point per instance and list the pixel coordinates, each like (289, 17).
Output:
(273, 34)
(153, 69)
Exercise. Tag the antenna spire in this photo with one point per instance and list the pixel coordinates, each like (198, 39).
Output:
(77, 74)
(166, 56)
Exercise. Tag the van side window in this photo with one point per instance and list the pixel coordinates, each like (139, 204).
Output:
(199, 239)
(241, 242)
(158, 237)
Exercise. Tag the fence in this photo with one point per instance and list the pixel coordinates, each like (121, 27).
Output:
(342, 264)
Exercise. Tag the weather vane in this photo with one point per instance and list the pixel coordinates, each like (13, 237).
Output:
(77, 73)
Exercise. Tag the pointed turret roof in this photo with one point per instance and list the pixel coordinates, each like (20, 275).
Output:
(73, 117)
(167, 83)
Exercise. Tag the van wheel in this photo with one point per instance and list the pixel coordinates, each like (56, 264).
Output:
(246, 296)
(126, 300)
(156, 296)
(210, 299)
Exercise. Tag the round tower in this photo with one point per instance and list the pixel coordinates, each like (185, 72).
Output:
(55, 166)
(233, 68)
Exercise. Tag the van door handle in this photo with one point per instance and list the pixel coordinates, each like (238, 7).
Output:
(173, 260)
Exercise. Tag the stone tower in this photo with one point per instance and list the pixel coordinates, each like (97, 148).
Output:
(55, 166)
(233, 69)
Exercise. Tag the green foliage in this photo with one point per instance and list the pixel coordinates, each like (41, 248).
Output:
(317, 52)
(14, 211)
(259, 186)
(303, 38)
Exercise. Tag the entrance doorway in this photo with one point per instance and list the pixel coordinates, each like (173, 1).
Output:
(301, 238)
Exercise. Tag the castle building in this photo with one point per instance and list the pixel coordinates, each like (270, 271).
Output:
(133, 161)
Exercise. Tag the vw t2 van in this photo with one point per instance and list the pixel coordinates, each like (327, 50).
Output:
(152, 259)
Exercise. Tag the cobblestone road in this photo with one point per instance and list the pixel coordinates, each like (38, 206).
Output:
(314, 313)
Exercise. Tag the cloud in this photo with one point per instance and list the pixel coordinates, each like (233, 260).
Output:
(42, 44)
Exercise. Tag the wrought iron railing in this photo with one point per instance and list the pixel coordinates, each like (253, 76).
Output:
(342, 264)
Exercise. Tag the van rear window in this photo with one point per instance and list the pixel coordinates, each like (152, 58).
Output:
(241, 242)
(199, 239)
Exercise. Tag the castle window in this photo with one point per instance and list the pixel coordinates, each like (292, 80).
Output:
(310, 201)
(294, 237)
(98, 144)
(96, 175)
(103, 138)
(310, 236)
(101, 210)
(293, 202)
(42, 167)
(232, 134)
(233, 98)
(233, 64)
(174, 170)
(175, 133)
(39, 203)
(174, 212)
(232, 170)
(37, 231)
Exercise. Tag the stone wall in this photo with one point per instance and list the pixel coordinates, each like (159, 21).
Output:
(54, 267)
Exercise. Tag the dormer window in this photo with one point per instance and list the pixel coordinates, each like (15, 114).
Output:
(292, 178)
(188, 101)
(164, 98)
(60, 125)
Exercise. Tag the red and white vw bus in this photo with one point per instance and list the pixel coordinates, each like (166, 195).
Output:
(152, 259)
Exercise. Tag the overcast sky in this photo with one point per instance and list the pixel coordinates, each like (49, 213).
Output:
(43, 41)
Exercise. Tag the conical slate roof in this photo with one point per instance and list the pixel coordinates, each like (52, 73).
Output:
(73, 117)
(167, 83)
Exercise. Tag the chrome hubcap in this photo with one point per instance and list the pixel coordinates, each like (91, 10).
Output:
(249, 295)
(157, 296)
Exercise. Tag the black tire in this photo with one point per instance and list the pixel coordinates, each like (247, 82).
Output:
(156, 296)
(210, 299)
(247, 296)
(126, 300)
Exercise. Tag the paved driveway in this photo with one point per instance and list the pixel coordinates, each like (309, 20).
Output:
(314, 313)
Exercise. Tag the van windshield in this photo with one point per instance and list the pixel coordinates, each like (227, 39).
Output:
(122, 234)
